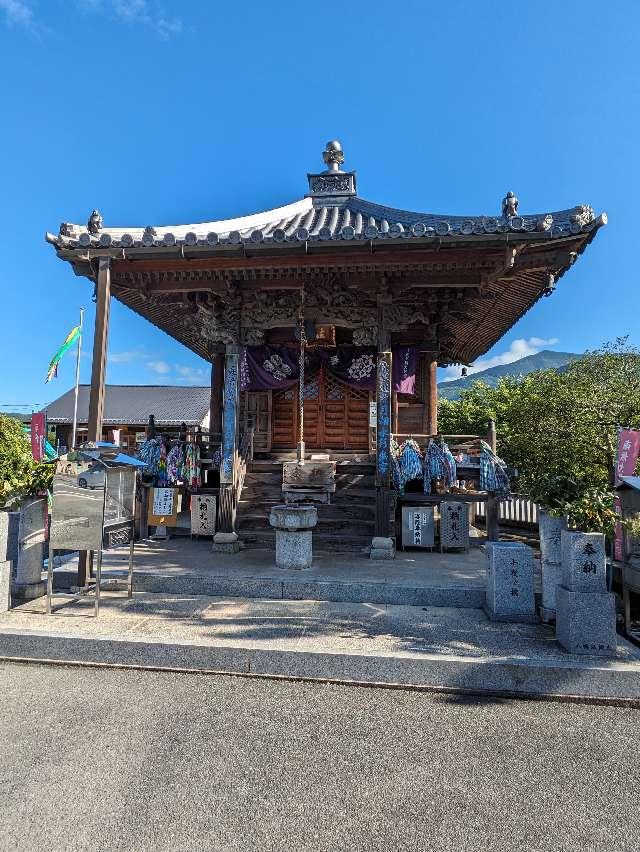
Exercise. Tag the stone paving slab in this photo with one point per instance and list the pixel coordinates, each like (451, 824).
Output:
(185, 566)
(371, 643)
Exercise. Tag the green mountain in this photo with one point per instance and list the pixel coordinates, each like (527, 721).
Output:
(545, 360)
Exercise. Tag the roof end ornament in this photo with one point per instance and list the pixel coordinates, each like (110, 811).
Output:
(332, 186)
(333, 156)
(510, 205)
(94, 225)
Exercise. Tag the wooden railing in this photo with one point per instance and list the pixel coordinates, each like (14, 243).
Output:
(516, 511)
(229, 495)
(243, 458)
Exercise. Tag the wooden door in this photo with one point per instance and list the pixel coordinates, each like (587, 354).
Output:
(336, 416)
(255, 409)
(284, 418)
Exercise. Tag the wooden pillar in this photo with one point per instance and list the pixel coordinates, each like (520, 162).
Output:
(431, 393)
(98, 374)
(217, 369)
(492, 508)
(492, 517)
(100, 337)
(394, 411)
(226, 536)
(492, 437)
(383, 441)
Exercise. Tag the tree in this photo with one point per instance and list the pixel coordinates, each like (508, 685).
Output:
(19, 474)
(557, 424)
(16, 463)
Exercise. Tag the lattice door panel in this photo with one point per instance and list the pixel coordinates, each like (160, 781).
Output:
(284, 417)
(334, 413)
(358, 419)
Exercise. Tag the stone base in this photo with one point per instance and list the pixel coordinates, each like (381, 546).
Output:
(586, 622)
(551, 579)
(30, 591)
(294, 549)
(224, 542)
(547, 616)
(510, 616)
(161, 533)
(382, 548)
(5, 585)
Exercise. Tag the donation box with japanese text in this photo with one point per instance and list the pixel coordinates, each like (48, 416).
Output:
(417, 526)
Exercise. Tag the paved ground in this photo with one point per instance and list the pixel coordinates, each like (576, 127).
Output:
(302, 626)
(149, 761)
(184, 556)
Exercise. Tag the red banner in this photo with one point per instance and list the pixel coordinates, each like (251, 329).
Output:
(627, 458)
(628, 452)
(38, 436)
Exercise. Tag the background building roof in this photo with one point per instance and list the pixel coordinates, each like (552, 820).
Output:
(132, 404)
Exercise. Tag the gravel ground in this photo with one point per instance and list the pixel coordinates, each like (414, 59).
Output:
(123, 760)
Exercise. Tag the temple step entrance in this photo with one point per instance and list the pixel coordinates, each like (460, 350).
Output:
(347, 524)
(336, 415)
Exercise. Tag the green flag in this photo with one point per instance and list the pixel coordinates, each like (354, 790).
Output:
(70, 339)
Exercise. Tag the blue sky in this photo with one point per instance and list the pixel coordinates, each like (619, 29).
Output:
(164, 112)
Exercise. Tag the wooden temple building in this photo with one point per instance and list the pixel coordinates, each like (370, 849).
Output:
(311, 312)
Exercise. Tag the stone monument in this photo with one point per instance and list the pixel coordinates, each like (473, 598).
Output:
(29, 562)
(510, 595)
(585, 610)
(294, 534)
(382, 548)
(551, 529)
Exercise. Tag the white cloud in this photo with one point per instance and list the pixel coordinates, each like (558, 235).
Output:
(18, 13)
(159, 367)
(191, 375)
(143, 12)
(125, 357)
(520, 348)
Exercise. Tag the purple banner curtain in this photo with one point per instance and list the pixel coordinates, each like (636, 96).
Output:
(352, 365)
(404, 370)
(267, 367)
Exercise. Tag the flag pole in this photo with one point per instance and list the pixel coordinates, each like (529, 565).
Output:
(75, 400)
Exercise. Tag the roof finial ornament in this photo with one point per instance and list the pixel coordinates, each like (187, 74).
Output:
(333, 155)
(94, 225)
(509, 205)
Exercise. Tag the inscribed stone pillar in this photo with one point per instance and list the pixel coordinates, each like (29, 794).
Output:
(550, 561)
(383, 443)
(226, 539)
(510, 594)
(585, 611)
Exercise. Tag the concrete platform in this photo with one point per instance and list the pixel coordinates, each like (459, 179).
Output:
(430, 647)
(187, 566)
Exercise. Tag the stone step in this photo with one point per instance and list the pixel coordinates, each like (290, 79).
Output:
(256, 520)
(455, 650)
(261, 539)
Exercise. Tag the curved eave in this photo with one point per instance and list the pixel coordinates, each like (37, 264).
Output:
(307, 222)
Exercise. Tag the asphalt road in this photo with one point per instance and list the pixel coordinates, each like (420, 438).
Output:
(111, 760)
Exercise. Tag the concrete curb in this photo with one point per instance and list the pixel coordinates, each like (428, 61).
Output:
(469, 597)
(582, 680)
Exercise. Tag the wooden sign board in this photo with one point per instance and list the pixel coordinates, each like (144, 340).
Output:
(203, 514)
(163, 507)
(312, 474)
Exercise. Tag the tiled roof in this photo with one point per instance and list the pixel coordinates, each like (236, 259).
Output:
(132, 404)
(311, 220)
